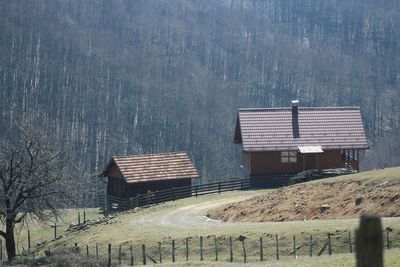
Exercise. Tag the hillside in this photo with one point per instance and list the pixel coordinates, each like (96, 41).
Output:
(344, 197)
(129, 77)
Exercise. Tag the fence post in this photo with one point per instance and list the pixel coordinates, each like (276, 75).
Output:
(294, 248)
(216, 248)
(119, 255)
(87, 251)
(387, 238)
(84, 216)
(29, 239)
(137, 200)
(1, 249)
(109, 255)
(201, 248)
(241, 239)
(173, 250)
(132, 255)
(329, 244)
(350, 245)
(97, 251)
(261, 250)
(159, 252)
(241, 184)
(369, 242)
(230, 249)
(277, 247)
(55, 230)
(311, 246)
(187, 248)
(219, 187)
(144, 254)
(79, 218)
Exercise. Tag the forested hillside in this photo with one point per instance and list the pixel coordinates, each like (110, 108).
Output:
(128, 77)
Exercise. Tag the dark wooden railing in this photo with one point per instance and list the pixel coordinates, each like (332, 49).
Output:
(110, 202)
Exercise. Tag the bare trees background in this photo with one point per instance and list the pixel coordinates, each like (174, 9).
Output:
(123, 77)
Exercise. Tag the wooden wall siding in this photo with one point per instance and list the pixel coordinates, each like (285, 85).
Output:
(270, 162)
(118, 187)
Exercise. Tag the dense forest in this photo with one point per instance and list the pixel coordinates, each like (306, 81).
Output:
(129, 77)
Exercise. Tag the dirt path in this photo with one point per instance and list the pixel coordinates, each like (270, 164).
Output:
(194, 215)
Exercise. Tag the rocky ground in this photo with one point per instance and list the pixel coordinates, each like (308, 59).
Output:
(322, 200)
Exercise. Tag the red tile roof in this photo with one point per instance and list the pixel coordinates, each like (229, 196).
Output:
(154, 167)
(276, 129)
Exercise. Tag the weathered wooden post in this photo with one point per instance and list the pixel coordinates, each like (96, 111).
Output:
(119, 255)
(137, 200)
(350, 243)
(241, 239)
(230, 249)
(369, 242)
(216, 248)
(79, 218)
(261, 250)
(55, 230)
(1, 249)
(388, 238)
(187, 248)
(87, 251)
(195, 190)
(29, 239)
(84, 216)
(311, 246)
(132, 260)
(109, 255)
(144, 254)
(159, 252)
(329, 244)
(201, 248)
(277, 247)
(219, 187)
(294, 248)
(97, 251)
(173, 251)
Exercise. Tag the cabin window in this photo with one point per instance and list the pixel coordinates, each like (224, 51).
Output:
(288, 157)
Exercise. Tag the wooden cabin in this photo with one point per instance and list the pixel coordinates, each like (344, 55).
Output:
(277, 143)
(131, 175)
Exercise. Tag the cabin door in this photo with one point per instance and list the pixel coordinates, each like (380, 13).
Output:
(309, 161)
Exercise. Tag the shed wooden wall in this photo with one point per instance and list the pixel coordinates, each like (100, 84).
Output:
(270, 162)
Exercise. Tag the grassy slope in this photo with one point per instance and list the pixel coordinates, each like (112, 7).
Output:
(126, 231)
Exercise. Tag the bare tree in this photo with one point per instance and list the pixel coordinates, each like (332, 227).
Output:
(31, 181)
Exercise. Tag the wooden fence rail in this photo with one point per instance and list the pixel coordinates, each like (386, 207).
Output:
(110, 202)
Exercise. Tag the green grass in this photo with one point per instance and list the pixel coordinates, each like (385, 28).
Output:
(133, 228)
(392, 259)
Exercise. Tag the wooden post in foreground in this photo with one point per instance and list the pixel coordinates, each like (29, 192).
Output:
(144, 254)
(230, 249)
(29, 239)
(109, 255)
(277, 247)
(261, 249)
(201, 248)
(369, 242)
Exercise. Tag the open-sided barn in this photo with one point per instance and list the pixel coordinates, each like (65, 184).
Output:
(131, 175)
(279, 142)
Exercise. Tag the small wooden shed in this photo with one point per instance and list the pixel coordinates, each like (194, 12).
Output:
(138, 174)
(277, 143)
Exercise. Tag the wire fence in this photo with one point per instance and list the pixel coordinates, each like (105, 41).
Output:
(240, 248)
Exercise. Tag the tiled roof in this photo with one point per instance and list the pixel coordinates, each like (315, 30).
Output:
(155, 167)
(277, 129)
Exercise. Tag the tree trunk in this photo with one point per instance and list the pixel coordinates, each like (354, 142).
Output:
(10, 240)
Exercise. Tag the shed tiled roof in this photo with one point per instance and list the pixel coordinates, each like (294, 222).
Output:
(154, 167)
(277, 129)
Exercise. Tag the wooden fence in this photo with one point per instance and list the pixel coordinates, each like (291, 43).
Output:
(110, 202)
(239, 249)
